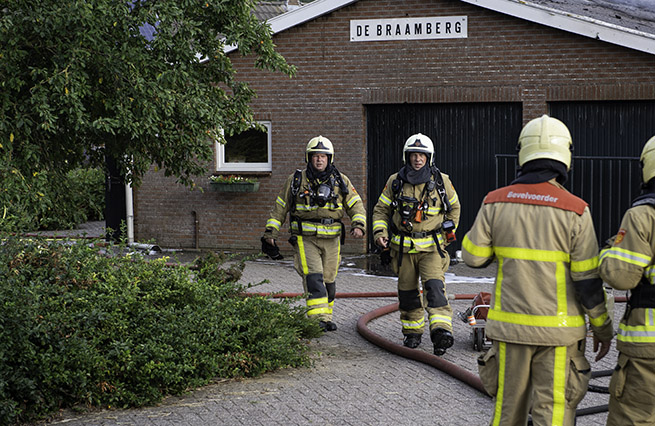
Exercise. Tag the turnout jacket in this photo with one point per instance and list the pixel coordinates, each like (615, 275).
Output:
(387, 220)
(629, 264)
(545, 244)
(307, 218)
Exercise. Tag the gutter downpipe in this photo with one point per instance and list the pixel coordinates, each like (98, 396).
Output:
(129, 213)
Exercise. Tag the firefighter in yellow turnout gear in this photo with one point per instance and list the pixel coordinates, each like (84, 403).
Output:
(316, 200)
(629, 264)
(416, 216)
(544, 242)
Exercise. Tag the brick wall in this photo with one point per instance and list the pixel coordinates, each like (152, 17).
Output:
(503, 59)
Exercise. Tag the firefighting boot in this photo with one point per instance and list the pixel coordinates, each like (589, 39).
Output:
(442, 339)
(412, 340)
(327, 325)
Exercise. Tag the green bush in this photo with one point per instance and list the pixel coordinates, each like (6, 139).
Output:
(48, 200)
(83, 329)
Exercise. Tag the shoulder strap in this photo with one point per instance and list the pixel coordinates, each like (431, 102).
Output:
(339, 180)
(441, 188)
(295, 187)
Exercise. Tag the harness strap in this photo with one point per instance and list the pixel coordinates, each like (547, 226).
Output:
(642, 296)
(324, 221)
(403, 234)
(295, 187)
(441, 189)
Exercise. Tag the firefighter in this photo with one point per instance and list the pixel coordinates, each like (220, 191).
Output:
(629, 264)
(416, 217)
(543, 240)
(316, 199)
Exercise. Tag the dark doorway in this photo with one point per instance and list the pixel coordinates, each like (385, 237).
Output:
(466, 138)
(607, 138)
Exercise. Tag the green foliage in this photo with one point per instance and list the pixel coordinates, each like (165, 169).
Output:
(83, 329)
(232, 179)
(50, 200)
(80, 80)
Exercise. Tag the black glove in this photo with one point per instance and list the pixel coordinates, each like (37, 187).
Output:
(385, 256)
(271, 250)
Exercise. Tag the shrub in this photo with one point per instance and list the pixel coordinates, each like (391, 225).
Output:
(84, 329)
(48, 200)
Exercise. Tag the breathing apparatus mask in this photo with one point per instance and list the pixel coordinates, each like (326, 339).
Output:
(406, 207)
(323, 194)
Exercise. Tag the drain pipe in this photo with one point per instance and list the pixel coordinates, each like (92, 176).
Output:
(196, 229)
(129, 213)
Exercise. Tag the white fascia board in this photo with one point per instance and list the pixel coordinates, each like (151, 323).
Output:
(301, 15)
(573, 23)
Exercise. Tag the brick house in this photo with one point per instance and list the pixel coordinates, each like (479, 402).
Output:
(468, 73)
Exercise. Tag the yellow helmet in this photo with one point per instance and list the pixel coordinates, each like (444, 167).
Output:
(545, 137)
(419, 143)
(319, 145)
(647, 160)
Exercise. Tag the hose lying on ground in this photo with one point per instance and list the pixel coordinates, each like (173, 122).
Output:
(425, 357)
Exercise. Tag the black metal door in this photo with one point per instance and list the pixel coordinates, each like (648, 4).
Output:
(607, 141)
(466, 138)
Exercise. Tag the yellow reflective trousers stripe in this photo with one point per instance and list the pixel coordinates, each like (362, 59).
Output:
(318, 311)
(413, 324)
(303, 256)
(441, 318)
(502, 360)
(559, 386)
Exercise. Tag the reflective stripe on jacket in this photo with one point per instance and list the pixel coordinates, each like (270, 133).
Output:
(351, 204)
(544, 241)
(384, 216)
(622, 265)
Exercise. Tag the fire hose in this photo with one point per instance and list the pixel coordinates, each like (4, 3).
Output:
(445, 366)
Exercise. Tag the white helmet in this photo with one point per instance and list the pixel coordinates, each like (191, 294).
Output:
(418, 143)
(647, 160)
(545, 137)
(319, 145)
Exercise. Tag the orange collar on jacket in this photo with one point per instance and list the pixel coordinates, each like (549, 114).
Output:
(540, 194)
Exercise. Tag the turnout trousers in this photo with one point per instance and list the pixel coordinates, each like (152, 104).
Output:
(317, 261)
(546, 381)
(422, 287)
(632, 396)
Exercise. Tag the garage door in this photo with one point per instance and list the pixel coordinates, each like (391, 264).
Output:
(607, 141)
(466, 138)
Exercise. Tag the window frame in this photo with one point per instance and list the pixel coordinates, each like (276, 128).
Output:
(222, 166)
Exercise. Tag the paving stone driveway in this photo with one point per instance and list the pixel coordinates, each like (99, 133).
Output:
(352, 382)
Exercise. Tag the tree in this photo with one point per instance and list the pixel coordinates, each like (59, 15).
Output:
(142, 81)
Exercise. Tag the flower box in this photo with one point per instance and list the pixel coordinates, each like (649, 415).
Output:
(234, 186)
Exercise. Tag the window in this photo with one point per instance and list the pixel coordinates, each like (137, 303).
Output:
(249, 151)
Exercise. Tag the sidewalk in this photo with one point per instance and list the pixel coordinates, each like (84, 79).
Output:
(352, 382)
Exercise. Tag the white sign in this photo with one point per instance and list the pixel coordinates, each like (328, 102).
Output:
(408, 28)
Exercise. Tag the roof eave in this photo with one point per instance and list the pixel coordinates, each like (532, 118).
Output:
(301, 15)
(573, 23)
